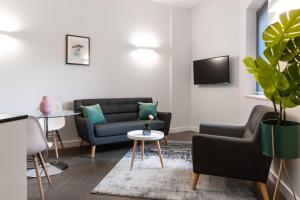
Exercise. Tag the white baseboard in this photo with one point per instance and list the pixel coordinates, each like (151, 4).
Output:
(284, 188)
(72, 143)
(195, 128)
(180, 129)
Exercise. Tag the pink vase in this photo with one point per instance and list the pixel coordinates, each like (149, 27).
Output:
(45, 106)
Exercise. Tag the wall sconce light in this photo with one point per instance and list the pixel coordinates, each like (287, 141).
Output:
(144, 40)
(146, 44)
(8, 25)
(144, 56)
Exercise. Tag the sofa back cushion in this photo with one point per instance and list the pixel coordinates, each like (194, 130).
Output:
(115, 109)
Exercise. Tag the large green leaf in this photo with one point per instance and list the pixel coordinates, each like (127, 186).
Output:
(274, 97)
(292, 72)
(291, 97)
(270, 78)
(274, 53)
(287, 28)
(250, 63)
(292, 51)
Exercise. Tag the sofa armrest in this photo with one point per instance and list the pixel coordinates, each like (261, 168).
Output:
(85, 129)
(166, 117)
(222, 130)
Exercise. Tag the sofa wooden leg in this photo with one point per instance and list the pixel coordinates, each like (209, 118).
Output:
(263, 189)
(81, 143)
(93, 150)
(195, 179)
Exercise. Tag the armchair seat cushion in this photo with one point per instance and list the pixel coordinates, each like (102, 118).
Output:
(119, 128)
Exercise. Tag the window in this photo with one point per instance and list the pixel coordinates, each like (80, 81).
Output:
(262, 23)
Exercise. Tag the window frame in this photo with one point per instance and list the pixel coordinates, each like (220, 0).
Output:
(263, 10)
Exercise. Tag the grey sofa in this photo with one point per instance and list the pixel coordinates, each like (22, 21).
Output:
(233, 151)
(121, 115)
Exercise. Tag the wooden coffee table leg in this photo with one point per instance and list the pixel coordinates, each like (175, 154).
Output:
(159, 153)
(143, 149)
(133, 153)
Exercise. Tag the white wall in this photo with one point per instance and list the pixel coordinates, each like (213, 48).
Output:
(181, 76)
(214, 30)
(33, 65)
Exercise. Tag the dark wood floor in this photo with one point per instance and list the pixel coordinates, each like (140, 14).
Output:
(85, 173)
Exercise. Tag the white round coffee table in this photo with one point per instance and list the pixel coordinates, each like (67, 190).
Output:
(137, 135)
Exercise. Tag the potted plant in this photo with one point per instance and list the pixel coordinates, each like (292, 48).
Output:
(278, 73)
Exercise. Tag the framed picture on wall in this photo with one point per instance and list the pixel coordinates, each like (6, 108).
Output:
(77, 50)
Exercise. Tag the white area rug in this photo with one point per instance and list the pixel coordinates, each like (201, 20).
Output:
(173, 182)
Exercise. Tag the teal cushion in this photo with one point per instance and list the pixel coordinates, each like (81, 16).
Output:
(94, 114)
(146, 109)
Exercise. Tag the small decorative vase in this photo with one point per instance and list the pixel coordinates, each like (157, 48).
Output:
(45, 106)
(147, 130)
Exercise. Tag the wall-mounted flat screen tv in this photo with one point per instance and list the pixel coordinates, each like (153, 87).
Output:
(211, 70)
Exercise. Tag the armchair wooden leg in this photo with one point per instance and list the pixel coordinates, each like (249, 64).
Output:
(38, 177)
(93, 151)
(44, 167)
(195, 179)
(166, 140)
(263, 190)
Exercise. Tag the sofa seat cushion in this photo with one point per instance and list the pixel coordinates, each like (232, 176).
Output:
(119, 128)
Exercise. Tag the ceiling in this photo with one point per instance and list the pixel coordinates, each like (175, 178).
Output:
(181, 3)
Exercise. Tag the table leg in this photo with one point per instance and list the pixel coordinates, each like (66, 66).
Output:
(289, 179)
(278, 180)
(46, 135)
(133, 153)
(143, 149)
(159, 153)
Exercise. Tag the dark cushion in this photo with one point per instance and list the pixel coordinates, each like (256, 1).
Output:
(115, 109)
(118, 128)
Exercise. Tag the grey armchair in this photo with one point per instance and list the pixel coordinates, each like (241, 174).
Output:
(233, 151)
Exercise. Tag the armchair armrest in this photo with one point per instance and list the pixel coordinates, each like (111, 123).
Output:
(85, 129)
(166, 117)
(209, 151)
(222, 130)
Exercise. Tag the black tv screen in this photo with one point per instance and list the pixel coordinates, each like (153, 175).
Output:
(211, 70)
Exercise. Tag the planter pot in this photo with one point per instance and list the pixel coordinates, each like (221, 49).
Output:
(281, 141)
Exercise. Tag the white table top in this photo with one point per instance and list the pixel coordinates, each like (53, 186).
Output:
(138, 135)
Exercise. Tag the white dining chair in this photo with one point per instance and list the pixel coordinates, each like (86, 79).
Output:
(37, 143)
(55, 124)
